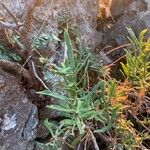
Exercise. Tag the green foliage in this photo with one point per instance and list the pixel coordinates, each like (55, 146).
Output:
(137, 66)
(6, 55)
(81, 105)
(96, 108)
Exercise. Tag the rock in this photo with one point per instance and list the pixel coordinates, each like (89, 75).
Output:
(119, 31)
(18, 116)
(133, 14)
(118, 7)
(82, 16)
(113, 8)
(85, 14)
(47, 18)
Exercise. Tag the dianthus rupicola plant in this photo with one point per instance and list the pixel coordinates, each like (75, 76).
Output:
(84, 109)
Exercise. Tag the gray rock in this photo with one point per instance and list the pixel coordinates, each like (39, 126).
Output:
(133, 14)
(18, 116)
(85, 14)
(119, 31)
(118, 7)
(48, 15)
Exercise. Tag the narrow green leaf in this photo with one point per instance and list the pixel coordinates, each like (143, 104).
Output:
(62, 71)
(66, 122)
(60, 108)
(69, 49)
(84, 76)
(99, 116)
(82, 65)
(125, 69)
(133, 37)
(91, 93)
(142, 34)
(103, 130)
(49, 126)
(80, 126)
(53, 94)
(88, 114)
(112, 88)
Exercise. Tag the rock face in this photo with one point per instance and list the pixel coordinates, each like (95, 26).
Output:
(120, 14)
(48, 16)
(18, 116)
(85, 13)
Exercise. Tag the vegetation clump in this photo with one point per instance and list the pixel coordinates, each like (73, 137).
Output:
(104, 110)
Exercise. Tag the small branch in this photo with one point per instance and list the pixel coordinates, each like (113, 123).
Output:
(94, 140)
(79, 146)
(116, 48)
(34, 71)
(11, 14)
(7, 25)
(136, 121)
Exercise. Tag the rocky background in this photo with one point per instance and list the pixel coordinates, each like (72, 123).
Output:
(100, 25)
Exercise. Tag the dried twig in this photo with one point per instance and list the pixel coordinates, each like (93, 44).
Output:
(11, 14)
(116, 48)
(79, 146)
(136, 121)
(36, 75)
(94, 140)
(7, 25)
(86, 141)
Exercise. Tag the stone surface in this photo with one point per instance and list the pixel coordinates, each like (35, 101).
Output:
(18, 116)
(81, 15)
(133, 14)
(113, 8)
(119, 7)
(48, 17)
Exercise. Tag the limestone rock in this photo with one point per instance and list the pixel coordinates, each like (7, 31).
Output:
(45, 17)
(133, 14)
(18, 116)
